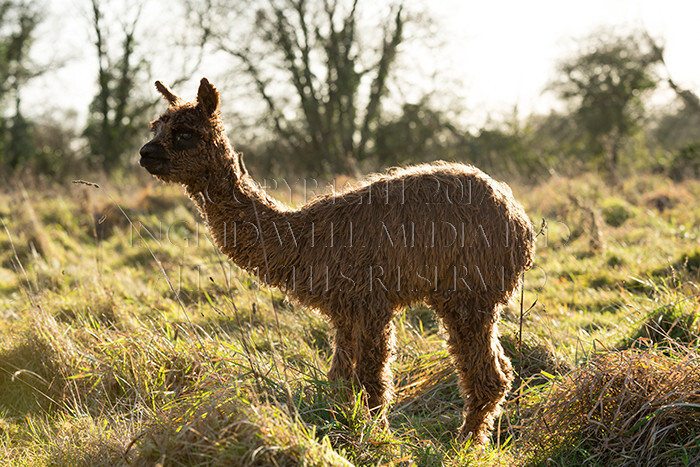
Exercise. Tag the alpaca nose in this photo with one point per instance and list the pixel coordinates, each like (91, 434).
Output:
(147, 150)
(152, 150)
(154, 158)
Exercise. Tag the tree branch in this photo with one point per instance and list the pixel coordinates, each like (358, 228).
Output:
(261, 86)
(379, 84)
(689, 98)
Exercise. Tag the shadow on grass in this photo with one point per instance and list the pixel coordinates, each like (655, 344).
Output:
(31, 377)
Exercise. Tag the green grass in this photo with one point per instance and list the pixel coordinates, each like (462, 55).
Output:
(136, 343)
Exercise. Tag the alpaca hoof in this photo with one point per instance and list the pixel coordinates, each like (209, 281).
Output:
(477, 438)
(382, 422)
(335, 375)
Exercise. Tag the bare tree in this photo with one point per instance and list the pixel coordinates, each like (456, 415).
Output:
(116, 115)
(338, 80)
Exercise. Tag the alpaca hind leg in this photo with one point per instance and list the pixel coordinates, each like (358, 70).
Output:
(485, 374)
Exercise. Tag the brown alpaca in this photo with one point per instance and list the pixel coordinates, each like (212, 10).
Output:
(444, 234)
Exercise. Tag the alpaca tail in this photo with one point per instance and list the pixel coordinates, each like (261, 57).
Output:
(524, 255)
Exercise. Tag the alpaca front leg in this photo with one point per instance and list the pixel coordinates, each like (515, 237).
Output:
(374, 365)
(343, 361)
(485, 374)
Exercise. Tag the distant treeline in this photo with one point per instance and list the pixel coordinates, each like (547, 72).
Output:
(324, 84)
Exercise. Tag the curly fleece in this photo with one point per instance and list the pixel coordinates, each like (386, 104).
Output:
(445, 234)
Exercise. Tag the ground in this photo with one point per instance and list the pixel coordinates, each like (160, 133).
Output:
(125, 338)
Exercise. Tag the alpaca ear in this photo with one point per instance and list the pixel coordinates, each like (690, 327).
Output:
(241, 165)
(207, 97)
(169, 96)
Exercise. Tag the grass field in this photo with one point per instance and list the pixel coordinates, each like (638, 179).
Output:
(126, 339)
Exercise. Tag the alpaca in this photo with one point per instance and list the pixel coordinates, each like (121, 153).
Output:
(445, 234)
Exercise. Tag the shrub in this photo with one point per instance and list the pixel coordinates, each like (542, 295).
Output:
(685, 163)
(616, 212)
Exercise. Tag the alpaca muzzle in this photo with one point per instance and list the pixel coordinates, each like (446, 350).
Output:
(155, 159)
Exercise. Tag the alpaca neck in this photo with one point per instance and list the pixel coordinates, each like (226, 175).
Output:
(243, 220)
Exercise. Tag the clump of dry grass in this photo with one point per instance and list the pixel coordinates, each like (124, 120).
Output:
(34, 370)
(671, 323)
(216, 428)
(635, 407)
(667, 196)
(83, 441)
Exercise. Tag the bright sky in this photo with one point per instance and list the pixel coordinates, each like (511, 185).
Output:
(507, 49)
(502, 51)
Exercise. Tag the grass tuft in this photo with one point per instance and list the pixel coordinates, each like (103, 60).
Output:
(217, 428)
(634, 406)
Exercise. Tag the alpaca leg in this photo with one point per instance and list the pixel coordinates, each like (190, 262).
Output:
(374, 364)
(503, 360)
(343, 362)
(484, 371)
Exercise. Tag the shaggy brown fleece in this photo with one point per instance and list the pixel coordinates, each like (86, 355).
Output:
(445, 234)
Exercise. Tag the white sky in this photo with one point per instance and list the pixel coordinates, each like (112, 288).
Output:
(502, 51)
(507, 49)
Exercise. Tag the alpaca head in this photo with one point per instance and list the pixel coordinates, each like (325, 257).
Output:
(188, 139)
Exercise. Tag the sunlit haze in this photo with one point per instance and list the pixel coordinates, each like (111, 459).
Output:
(500, 54)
